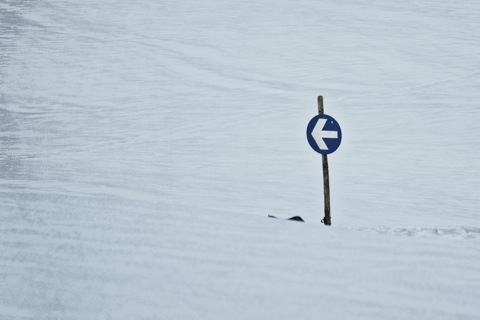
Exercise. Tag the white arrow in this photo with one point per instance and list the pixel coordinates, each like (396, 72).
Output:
(319, 134)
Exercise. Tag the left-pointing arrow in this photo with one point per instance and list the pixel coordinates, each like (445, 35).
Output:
(319, 134)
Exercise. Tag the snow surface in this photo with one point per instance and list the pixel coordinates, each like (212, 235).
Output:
(143, 143)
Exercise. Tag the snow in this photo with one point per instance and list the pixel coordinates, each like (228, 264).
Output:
(143, 144)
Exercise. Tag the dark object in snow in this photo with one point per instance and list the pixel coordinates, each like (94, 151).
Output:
(295, 218)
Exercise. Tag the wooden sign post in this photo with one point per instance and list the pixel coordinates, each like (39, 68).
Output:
(327, 220)
(324, 136)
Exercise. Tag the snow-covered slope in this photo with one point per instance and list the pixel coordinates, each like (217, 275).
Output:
(144, 143)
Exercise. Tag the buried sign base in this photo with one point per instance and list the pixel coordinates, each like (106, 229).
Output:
(326, 221)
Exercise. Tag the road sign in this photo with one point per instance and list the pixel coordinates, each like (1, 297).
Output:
(324, 134)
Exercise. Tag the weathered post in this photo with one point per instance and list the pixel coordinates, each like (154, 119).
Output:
(324, 136)
(327, 220)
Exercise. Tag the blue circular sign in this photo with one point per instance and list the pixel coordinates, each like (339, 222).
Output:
(324, 134)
